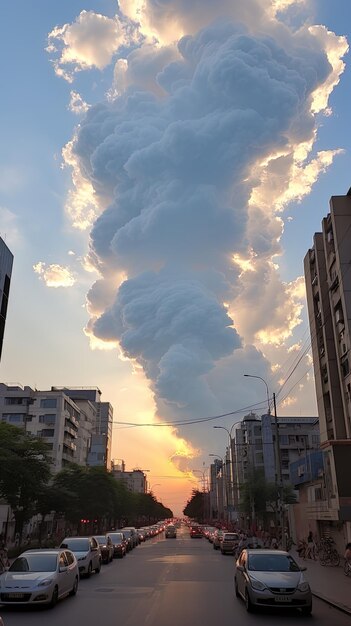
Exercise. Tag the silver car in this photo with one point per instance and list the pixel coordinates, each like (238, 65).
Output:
(40, 577)
(271, 578)
(87, 552)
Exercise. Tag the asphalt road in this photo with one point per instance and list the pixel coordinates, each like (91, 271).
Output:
(164, 582)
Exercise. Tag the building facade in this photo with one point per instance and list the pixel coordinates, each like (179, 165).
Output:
(100, 437)
(328, 287)
(134, 480)
(6, 263)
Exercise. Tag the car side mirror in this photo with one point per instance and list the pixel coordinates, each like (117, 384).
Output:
(303, 568)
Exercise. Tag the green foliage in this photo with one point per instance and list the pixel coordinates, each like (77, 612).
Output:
(195, 506)
(24, 471)
(259, 495)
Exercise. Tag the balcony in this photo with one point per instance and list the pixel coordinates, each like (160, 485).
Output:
(67, 443)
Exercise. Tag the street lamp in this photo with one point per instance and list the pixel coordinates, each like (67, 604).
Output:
(231, 459)
(278, 463)
(155, 485)
(217, 456)
(263, 380)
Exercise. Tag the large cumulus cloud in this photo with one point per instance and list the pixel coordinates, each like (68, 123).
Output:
(188, 165)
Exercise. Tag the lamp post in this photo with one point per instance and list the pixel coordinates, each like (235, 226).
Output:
(231, 460)
(154, 485)
(203, 473)
(217, 456)
(278, 462)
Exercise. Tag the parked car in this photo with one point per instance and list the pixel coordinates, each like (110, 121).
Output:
(40, 577)
(195, 532)
(228, 543)
(87, 553)
(271, 578)
(133, 534)
(217, 536)
(128, 537)
(170, 532)
(106, 547)
(119, 543)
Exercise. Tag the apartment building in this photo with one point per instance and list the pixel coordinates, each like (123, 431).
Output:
(134, 480)
(6, 263)
(100, 437)
(328, 286)
(255, 444)
(52, 415)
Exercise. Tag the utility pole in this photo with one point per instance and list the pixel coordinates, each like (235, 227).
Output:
(279, 478)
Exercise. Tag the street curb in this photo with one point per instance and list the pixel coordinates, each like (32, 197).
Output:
(336, 605)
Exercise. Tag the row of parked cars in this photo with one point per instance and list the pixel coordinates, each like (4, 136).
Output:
(43, 576)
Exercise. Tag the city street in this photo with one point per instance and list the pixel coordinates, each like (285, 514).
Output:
(164, 582)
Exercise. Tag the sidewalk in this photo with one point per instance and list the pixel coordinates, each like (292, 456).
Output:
(328, 583)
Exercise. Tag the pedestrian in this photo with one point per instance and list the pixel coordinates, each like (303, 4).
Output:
(347, 555)
(310, 552)
(274, 543)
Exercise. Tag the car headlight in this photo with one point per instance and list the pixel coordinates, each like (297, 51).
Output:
(303, 587)
(45, 583)
(256, 584)
(82, 558)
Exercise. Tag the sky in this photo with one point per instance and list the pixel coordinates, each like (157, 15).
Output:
(164, 165)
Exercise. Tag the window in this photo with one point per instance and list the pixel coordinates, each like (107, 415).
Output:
(345, 368)
(318, 494)
(284, 439)
(12, 401)
(48, 403)
(13, 418)
(46, 432)
(47, 418)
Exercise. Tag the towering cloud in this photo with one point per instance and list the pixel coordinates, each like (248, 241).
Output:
(191, 164)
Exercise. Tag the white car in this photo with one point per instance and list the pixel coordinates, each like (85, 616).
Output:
(87, 552)
(40, 577)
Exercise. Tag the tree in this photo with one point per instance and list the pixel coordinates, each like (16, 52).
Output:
(24, 471)
(258, 496)
(195, 506)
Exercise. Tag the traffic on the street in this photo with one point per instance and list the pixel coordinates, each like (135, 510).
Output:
(164, 581)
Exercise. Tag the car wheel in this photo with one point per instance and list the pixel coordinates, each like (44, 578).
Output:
(97, 569)
(74, 588)
(90, 569)
(54, 598)
(236, 588)
(248, 603)
(307, 610)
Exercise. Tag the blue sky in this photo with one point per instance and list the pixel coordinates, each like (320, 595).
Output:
(44, 342)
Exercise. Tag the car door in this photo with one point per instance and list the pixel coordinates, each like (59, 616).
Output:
(72, 570)
(240, 577)
(95, 552)
(63, 575)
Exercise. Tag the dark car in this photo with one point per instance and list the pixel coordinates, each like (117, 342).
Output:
(106, 547)
(196, 532)
(119, 543)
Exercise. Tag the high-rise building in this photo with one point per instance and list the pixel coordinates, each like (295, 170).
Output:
(52, 415)
(101, 432)
(328, 287)
(6, 262)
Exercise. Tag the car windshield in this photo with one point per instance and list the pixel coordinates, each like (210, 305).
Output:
(35, 563)
(76, 545)
(116, 536)
(272, 563)
(127, 533)
(101, 538)
(231, 536)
